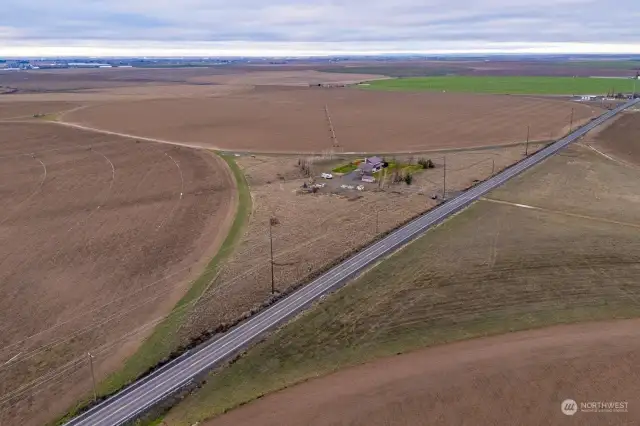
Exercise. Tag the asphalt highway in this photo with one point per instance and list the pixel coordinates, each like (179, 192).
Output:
(144, 394)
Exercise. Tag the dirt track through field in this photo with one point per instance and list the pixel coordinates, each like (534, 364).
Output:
(99, 235)
(517, 379)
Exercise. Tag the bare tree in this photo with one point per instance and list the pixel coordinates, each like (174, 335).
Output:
(304, 165)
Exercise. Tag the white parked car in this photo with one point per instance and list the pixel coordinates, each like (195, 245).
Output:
(360, 187)
(327, 175)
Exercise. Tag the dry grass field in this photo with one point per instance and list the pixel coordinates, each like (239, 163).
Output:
(559, 244)
(99, 236)
(315, 230)
(279, 119)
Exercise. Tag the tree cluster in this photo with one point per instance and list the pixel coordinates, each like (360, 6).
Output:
(426, 163)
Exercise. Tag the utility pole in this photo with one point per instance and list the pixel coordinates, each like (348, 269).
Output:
(93, 377)
(273, 288)
(377, 221)
(526, 147)
(493, 166)
(571, 123)
(444, 178)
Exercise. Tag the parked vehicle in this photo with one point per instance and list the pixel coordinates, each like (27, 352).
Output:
(327, 175)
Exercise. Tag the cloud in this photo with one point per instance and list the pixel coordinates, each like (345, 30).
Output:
(327, 25)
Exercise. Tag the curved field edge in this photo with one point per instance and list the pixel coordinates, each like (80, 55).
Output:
(350, 328)
(507, 85)
(162, 342)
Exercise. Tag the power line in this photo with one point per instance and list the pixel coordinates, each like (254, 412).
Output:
(273, 289)
(93, 377)
(73, 362)
(444, 178)
(122, 314)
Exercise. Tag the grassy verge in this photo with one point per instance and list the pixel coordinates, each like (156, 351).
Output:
(163, 341)
(346, 168)
(507, 85)
(489, 270)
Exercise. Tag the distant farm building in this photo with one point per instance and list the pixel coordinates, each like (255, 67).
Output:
(87, 65)
(328, 85)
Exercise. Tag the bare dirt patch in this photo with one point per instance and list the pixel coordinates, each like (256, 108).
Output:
(100, 236)
(294, 120)
(513, 379)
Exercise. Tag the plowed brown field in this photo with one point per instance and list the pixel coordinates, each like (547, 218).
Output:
(293, 120)
(517, 379)
(621, 139)
(12, 110)
(99, 235)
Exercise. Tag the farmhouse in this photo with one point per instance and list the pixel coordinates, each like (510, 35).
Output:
(371, 165)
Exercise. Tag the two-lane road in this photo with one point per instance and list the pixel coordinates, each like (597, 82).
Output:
(144, 394)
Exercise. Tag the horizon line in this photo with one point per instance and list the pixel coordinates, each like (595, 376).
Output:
(258, 55)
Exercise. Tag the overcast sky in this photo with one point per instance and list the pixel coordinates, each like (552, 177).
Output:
(283, 27)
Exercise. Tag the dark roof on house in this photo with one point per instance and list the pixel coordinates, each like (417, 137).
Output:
(366, 167)
(374, 160)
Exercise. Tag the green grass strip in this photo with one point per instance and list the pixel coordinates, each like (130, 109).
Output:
(346, 168)
(509, 85)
